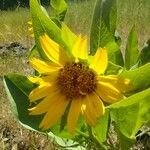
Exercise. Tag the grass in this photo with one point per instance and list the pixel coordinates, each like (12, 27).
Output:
(13, 27)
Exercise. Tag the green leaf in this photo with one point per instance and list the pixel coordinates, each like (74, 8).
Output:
(68, 36)
(130, 114)
(39, 20)
(60, 8)
(42, 23)
(139, 77)
(32, 52)
(101, 129)
(131, 52)
(114, 53)
(145, 54)
(113, 69)
(124, 142)
(103, 24)
(22, 83)
(18, 88)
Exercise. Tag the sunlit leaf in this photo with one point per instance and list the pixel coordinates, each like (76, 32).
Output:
(60, 6)
(103, 24)
(114, 53)
(124, 142)
(67, 36)
(139, 77)
(101, 129)
(42, 23)
(131, 52)
(37, 13)
(18, 87)
(113, 69)
(130, 114)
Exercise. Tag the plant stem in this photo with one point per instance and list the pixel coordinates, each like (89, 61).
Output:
(82, 133)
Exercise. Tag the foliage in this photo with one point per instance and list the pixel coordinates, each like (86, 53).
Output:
(128, 115)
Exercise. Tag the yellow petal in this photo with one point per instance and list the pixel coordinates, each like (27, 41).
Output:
(53, 51)
(122, 84)
(51, 78)
(88, 114)
(45, 104)
(54, 113)
(36, 80)
(43, 67)
(100, 61)
(45, 80)
(41, 91)
(108, 92)
(30, 29)
(96, 104)
(73, 115)
(29, 22)
(32, 35)
(80, 49)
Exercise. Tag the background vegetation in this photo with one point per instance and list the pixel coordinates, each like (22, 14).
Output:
(12, 4)
(14, 28)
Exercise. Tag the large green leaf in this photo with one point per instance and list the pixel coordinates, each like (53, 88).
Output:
(42, 23)
(103, 24)
(145, 54)
(139, 77)
(60, 8)
(130, 114)
(113, 69)
(124, 142)
(131, 52)
(67, 36)
(101, 129)
(114, 53)
(18, 87)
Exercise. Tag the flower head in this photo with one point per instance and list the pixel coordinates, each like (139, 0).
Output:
(70, 78)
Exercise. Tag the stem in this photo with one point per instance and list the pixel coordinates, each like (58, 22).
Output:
(82, 133)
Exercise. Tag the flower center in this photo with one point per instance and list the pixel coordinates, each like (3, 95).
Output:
(76, 80)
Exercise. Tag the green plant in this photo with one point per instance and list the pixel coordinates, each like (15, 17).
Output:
(128, 115)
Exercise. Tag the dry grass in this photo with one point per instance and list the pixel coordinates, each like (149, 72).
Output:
(13, 27)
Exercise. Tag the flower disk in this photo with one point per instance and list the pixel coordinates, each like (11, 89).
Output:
(76, 80)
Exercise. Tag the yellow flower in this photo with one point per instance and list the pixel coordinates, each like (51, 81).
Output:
(69, 78)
